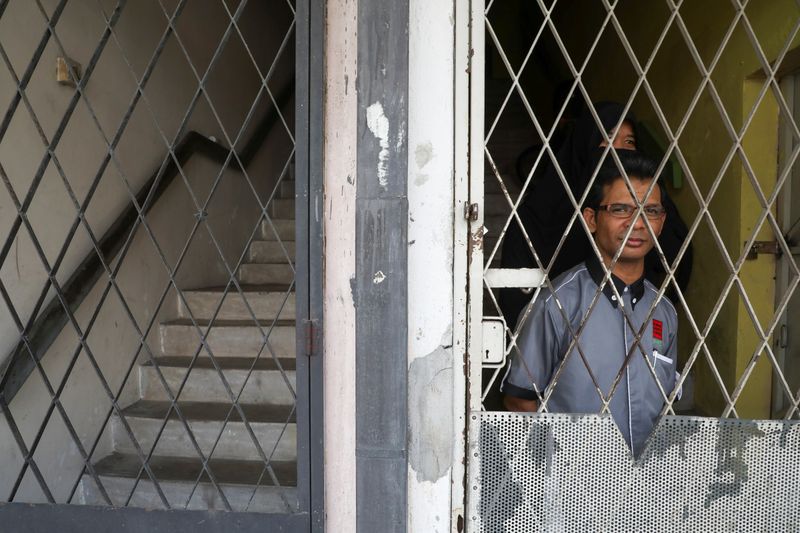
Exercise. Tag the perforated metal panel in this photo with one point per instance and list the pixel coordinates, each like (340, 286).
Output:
(552, 472)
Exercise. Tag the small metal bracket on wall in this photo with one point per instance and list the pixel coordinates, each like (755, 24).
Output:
(68, 71)
(763, 247)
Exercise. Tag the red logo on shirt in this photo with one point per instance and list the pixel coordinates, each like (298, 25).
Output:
(657, 329)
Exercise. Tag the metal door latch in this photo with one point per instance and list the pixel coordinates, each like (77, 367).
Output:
(764, 247)
(494, 342)
(471, 212)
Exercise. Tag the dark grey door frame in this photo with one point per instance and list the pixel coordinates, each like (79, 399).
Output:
(310, 80)
(309, 75)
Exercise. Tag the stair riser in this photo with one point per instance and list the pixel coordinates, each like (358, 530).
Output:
(239, 341)
(282, 208)
(265, 306)
(205, 385)
(206, 496)
(271, 251)
(283, 227)
(235, 443)
(261, 274)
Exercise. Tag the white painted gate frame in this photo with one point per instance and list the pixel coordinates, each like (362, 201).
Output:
(470, 54)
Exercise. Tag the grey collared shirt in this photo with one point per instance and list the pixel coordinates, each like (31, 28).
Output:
(605, 341)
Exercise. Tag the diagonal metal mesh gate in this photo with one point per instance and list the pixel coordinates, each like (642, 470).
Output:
(158, 313)
(706, 92)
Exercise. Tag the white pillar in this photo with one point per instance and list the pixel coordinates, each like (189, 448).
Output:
(340, 237)
(432, 365)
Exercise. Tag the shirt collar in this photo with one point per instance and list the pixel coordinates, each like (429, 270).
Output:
(597, 273)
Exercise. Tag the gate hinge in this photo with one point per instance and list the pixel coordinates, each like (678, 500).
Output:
(310, 333)
(764, 247)
(471, 212)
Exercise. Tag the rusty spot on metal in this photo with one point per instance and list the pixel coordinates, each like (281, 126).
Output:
(476, 240)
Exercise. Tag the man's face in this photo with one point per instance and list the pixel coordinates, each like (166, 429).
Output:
(609, 230)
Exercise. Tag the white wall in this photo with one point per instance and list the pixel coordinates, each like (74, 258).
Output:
(433, 436)
(433, 431)
(340, 239)
(232, 213)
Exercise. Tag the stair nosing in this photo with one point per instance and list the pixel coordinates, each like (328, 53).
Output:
(158, 409)
(277, 288)
(265, 324)
(226, 363)
(102, 468)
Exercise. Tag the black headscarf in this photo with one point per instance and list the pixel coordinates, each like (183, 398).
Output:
(546, 210)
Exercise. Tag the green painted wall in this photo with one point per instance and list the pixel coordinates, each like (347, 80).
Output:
(706, 145)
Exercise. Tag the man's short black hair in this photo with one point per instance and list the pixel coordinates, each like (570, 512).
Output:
(636, 165)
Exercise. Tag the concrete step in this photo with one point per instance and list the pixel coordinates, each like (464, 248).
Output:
(237, 338)
(286, 189)
(265, 273)
(276, 228)
(176, 477)
(267, 302)
(282, 208)
(273, 426)
(270, 382)
(271, 251)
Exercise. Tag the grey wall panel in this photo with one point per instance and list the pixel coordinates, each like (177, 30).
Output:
(380, 285)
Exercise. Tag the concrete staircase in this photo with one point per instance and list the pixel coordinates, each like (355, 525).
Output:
(267, 399)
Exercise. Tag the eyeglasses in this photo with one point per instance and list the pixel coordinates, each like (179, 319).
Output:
(627, 210)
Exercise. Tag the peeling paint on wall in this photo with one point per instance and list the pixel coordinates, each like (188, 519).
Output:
(378, 124)
(430, 397)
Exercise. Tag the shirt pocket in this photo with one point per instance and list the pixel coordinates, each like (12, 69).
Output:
(665, 370)
(659, 357)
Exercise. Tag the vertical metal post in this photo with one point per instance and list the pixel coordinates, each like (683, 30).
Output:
(476, 177)
(308, 228)
(316, 69)
(461, 127)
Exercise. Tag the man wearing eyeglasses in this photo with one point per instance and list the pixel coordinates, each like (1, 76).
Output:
(632, 378)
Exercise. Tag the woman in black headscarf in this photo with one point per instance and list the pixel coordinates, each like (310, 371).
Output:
(546, 210)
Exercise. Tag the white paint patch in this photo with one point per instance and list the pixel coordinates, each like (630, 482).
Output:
(379, 277)
(378, 124)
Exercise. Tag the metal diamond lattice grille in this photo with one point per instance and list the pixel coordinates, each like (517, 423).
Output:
(147, 263)
(717, 161)
(710, 92)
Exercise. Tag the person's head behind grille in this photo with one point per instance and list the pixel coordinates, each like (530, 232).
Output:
(635, 164)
